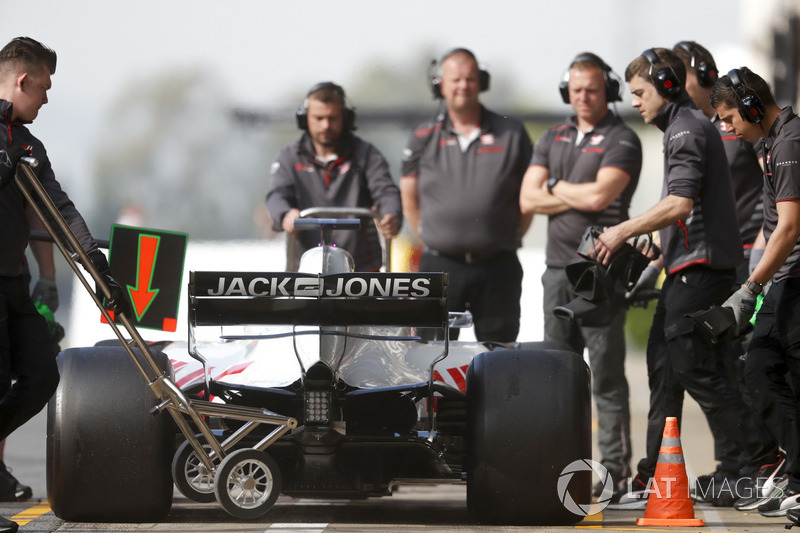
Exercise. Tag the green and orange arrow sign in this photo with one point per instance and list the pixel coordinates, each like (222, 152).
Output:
(142, 295)
(150, 264)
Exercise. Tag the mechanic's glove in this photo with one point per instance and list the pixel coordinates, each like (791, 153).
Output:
(46, 292)
(743, 303)
(118, 303)
(8, 163)
(638, 295)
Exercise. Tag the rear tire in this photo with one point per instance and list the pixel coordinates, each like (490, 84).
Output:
(108, 458)
(528, 417)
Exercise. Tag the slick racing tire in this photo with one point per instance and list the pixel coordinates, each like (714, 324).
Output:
(247, 483)
(528, 417)
(108, 458)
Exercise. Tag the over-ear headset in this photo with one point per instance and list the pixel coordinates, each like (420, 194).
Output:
(348, 113)
(612, 83)
(706, 71)
(750, 105)
(665, 80)
(436, 72)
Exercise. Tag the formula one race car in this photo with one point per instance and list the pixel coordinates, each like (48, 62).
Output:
(315, 383)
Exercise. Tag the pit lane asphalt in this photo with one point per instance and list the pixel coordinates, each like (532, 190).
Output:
(437, 508)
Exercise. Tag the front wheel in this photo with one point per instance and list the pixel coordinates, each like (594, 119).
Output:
(191, 476)
(247, 483)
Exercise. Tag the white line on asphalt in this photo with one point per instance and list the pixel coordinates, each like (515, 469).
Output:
(297, 528)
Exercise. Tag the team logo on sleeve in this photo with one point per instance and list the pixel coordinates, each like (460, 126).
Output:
(274, 168)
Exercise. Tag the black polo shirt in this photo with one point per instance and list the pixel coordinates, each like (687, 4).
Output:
(610, 144)
(696, 167)
(469, 199)
(748, 179)
(782, 181)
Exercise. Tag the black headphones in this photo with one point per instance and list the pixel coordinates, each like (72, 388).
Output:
(348, 113)
(706, 71)
(750, 105)
(666, 81)
(436, 72)
(612, 84)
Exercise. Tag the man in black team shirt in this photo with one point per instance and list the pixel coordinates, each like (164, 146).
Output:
(583, 173)
(28, 371)
(701, 74)
(329, 166)
(744, 101)
(700, 255)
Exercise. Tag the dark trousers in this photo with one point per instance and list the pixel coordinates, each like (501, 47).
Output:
(680, 359)
(727, 452)
(490, 289)
(772, 369)
(26, 357)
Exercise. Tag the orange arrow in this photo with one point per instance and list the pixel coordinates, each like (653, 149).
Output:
(141, 295)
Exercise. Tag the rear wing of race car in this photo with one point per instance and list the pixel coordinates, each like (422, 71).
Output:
(297, 299)
(343, 299)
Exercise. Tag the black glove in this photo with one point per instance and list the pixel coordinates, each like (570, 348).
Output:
(8, 163)
(46, 292)
(118, 303)
(639, 294)
(743, 303)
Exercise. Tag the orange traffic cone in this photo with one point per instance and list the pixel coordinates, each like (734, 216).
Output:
(669, 502)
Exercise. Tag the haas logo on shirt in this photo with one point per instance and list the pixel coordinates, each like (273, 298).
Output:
(596, 139)
(345, 168)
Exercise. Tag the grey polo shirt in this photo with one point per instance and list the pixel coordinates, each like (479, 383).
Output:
(696, 167)
(748, 180)
(782, 181)
(610, 144)
(469, 199)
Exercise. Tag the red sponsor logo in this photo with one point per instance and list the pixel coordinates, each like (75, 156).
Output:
(490, 149)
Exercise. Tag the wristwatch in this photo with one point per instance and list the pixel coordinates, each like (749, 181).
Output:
(551, 182)
(754, 286)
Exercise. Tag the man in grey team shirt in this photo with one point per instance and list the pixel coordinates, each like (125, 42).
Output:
(462, 173)
(583, 173)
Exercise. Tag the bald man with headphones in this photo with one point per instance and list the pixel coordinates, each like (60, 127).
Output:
(461, 175)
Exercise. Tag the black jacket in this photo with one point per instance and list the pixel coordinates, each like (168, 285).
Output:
(13, 206)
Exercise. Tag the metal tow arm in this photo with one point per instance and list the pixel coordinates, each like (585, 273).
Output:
(169, 395)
